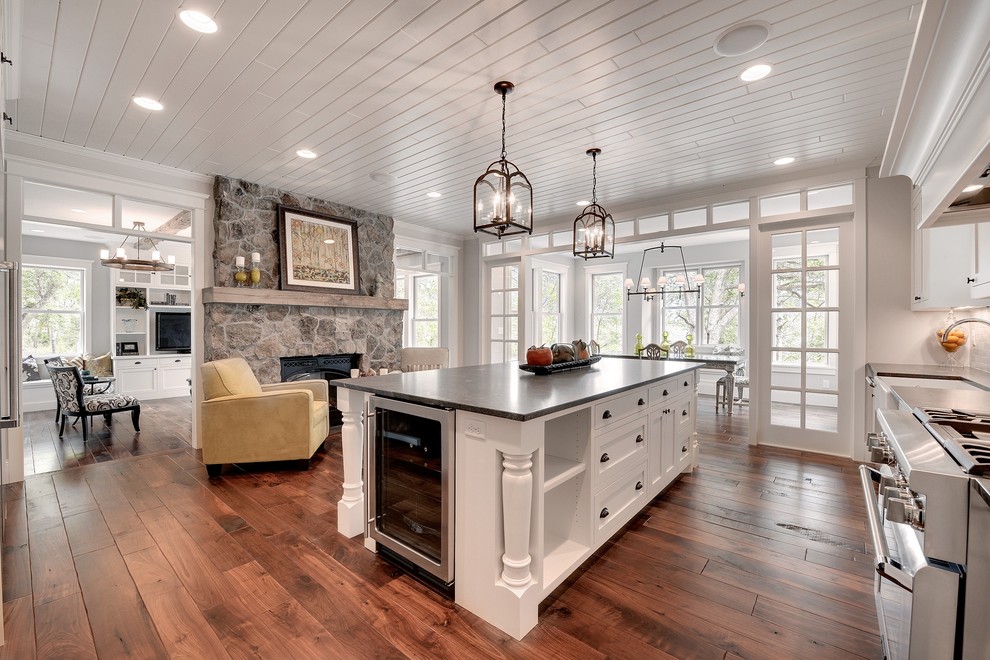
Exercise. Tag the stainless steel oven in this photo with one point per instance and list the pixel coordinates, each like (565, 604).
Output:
(411, 486)
(917, 502)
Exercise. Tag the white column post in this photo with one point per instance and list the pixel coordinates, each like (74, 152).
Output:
(350, 508)
(517, 506)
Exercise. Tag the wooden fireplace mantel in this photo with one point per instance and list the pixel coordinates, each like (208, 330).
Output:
(248, 296)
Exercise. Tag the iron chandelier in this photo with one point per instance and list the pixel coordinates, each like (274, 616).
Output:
(123, 262)
(664, 285)
(594, 229)
(503, 196)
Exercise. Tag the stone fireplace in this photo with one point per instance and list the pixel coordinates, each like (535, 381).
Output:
(264, 324)
(327, 367)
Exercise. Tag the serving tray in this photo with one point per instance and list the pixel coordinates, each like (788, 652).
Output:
(546, 370)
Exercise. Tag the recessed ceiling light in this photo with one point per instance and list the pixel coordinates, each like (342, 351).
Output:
(434, 194)
(756, 72)
(582, 202)
(786, 160)
(148, 104)
(972, 188)
(384, 177)
(306, 153)
(198, 21)
(328, 241)
(38, 231)
(741, 39)
(78, 210)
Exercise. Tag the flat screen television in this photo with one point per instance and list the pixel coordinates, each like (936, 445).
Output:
(173, 331)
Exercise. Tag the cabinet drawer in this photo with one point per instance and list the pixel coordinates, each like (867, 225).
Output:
(139, 363)
(185, 360)
(618, 503)
(684, 415)
(614, 409)
(663, 391)
(685, 382)
(617, 450)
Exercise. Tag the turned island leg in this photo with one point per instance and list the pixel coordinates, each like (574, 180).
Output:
(517, 504)
(350, 508)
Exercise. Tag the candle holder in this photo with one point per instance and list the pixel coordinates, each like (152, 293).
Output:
(240, 273)
(255, 274)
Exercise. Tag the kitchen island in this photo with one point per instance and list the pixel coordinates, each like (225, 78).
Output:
(547, 467)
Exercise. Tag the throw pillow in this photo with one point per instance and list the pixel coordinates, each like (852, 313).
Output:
(76, 361)
(29, 369)
(100, 366)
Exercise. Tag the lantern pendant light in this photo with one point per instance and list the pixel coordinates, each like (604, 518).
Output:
(594, 229)
(503, 196)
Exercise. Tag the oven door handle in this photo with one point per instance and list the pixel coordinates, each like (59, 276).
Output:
(886, 567)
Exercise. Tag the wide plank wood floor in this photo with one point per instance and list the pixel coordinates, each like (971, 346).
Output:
(760, 553)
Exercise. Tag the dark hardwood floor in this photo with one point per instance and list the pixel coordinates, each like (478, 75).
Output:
(131, 551)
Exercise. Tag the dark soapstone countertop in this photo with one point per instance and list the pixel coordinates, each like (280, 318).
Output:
(504, 390)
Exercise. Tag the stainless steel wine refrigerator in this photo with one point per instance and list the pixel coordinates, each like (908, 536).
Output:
(411, 487)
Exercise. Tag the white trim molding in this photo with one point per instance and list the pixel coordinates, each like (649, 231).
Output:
(939, 136)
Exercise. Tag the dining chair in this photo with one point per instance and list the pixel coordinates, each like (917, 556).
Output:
(68, 384)
(424, 359)
(55, 361)
(652, 352)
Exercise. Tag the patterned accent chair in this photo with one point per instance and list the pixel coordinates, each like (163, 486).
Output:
(68, 385)
(652, 352)
(424, 359)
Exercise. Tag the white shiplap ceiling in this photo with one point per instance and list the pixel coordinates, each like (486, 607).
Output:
(404, 87)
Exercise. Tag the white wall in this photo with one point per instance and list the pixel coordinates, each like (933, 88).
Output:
(895, 333)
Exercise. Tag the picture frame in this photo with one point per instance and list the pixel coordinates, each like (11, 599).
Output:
(127, 348)
(319, 252)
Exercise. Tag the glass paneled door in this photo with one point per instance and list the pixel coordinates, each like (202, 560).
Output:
(804, 330)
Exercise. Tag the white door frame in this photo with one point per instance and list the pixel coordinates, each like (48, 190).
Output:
(841, 442)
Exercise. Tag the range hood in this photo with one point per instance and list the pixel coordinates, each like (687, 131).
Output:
(978, 199)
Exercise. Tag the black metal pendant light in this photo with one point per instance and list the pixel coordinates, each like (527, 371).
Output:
(503, 196)
(594, 229)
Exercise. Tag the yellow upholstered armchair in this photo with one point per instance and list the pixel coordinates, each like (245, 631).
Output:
(246, 422)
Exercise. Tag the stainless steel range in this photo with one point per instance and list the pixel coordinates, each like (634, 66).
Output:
(919, 504)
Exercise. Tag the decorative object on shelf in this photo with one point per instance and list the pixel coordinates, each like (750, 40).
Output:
(559, 367)
(503, 196)
(128, 297)
(240, 272)
(120, 259)
(665, 344)
(594, 229)
(129, 325)
(689, 349)
(664, 285)
(639, 344)
(127, 348)
(319, 252)
(255, 270)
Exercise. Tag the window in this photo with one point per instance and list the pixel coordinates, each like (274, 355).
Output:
(54, 308)
(549, 317)
(607, 305)
(425, 307)
(504, 306)
(717, 307)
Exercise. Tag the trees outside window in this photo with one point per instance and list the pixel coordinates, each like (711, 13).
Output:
(426, 311)
(550, 316)
(608, 308)
(53, 310)
(711, 317)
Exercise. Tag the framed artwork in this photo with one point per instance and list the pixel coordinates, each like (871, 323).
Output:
(319, 252)
(127, 348)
